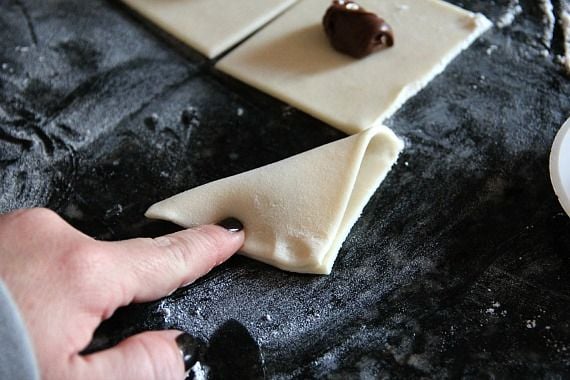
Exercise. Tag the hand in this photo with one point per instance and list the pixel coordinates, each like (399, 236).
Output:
(65, 283)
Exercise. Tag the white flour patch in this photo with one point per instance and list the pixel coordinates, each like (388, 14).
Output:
(565, 23)
(549, 20)
(491, 49)
(513, 10)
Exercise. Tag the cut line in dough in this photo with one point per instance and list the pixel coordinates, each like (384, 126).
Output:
(292, 60)
(297, 212)
(209, 26)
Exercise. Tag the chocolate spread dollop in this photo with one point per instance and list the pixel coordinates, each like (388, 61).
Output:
(354, 31)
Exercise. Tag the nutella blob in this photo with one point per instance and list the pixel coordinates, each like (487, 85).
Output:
(354, 31)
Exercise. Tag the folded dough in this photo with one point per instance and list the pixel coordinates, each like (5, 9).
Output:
(292, 60)
(209, 26)
(297, 212)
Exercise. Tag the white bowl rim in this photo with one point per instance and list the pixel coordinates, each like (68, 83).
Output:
(561, 153)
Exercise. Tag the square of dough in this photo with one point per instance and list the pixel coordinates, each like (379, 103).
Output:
(209, 26)
(292, 60)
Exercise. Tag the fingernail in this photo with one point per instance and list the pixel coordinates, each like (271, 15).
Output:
(231, 224)
(188, 346)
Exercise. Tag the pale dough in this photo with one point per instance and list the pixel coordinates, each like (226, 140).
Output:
(297, 212)
(209, 26)
(292, 60)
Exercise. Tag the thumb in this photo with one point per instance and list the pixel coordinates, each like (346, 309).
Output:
(153, 355)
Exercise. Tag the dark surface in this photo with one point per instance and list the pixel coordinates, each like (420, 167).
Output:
(458, 266)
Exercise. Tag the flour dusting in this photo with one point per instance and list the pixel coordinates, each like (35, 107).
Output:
(514, 9)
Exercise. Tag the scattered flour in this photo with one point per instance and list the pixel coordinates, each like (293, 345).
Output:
(199, 372)
(565, 23)
(73, 211)
(548, 20)
(491, 49)
(165, 311)
(514, 9)
(492, 310)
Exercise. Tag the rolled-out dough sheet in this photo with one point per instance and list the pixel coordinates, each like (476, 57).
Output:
(209, 26)
(292, 60)
(297, 212)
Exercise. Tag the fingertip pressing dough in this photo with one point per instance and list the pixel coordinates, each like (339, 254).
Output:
(209, 26)
(297, 212)
(292, 60)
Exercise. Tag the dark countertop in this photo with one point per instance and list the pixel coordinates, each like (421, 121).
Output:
(457, 268)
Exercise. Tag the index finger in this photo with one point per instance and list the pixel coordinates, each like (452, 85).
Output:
(146, 269)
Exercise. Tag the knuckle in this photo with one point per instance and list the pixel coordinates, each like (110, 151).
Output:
(210, 241)
(30, 229)
(85, 264)
(34, 216)
(207, 240)
(39, 215)
(184, 247)
(36, 220)
(177, 248)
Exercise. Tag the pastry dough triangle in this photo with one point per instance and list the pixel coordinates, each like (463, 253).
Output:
(297, 212)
